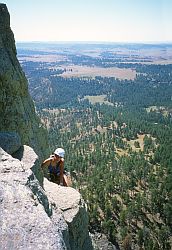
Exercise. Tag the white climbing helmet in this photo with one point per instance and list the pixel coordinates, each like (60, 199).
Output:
(60, 152)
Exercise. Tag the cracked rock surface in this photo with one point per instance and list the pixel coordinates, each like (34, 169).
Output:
(35, 217)
(24, 221)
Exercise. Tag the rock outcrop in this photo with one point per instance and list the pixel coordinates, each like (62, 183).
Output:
(17, 111)
(35, 218)
(73, 207)
(26, 217)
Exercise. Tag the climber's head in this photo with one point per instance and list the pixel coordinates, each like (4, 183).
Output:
(59, 152)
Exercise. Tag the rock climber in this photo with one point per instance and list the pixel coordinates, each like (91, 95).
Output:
(55, 164)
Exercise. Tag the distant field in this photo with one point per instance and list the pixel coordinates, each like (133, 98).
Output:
(85, 71)
(43, 58)
(156, 54)
(98, 99)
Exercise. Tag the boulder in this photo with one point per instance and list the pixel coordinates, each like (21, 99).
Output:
(70, 202)
(101, 242)
(30, 160)
(10, 142)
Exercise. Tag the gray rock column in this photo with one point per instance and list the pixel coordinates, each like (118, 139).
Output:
(17, 111)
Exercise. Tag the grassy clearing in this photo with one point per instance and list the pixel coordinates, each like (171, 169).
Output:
(98, 99)
(161, 109)
(121, 152)
(140, 140)
(52, 111)
(131, 143)
(85, 71)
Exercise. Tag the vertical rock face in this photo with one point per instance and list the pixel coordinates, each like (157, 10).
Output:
(17, 111)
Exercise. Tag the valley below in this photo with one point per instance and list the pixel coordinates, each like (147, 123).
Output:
(110, 107)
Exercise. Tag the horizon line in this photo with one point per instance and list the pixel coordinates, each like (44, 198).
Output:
(98, 42)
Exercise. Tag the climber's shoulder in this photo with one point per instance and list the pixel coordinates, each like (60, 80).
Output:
(48, 160)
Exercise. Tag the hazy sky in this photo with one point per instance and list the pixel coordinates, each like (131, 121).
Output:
(91, 20)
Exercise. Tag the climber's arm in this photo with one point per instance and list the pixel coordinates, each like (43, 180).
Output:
(61, 171)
